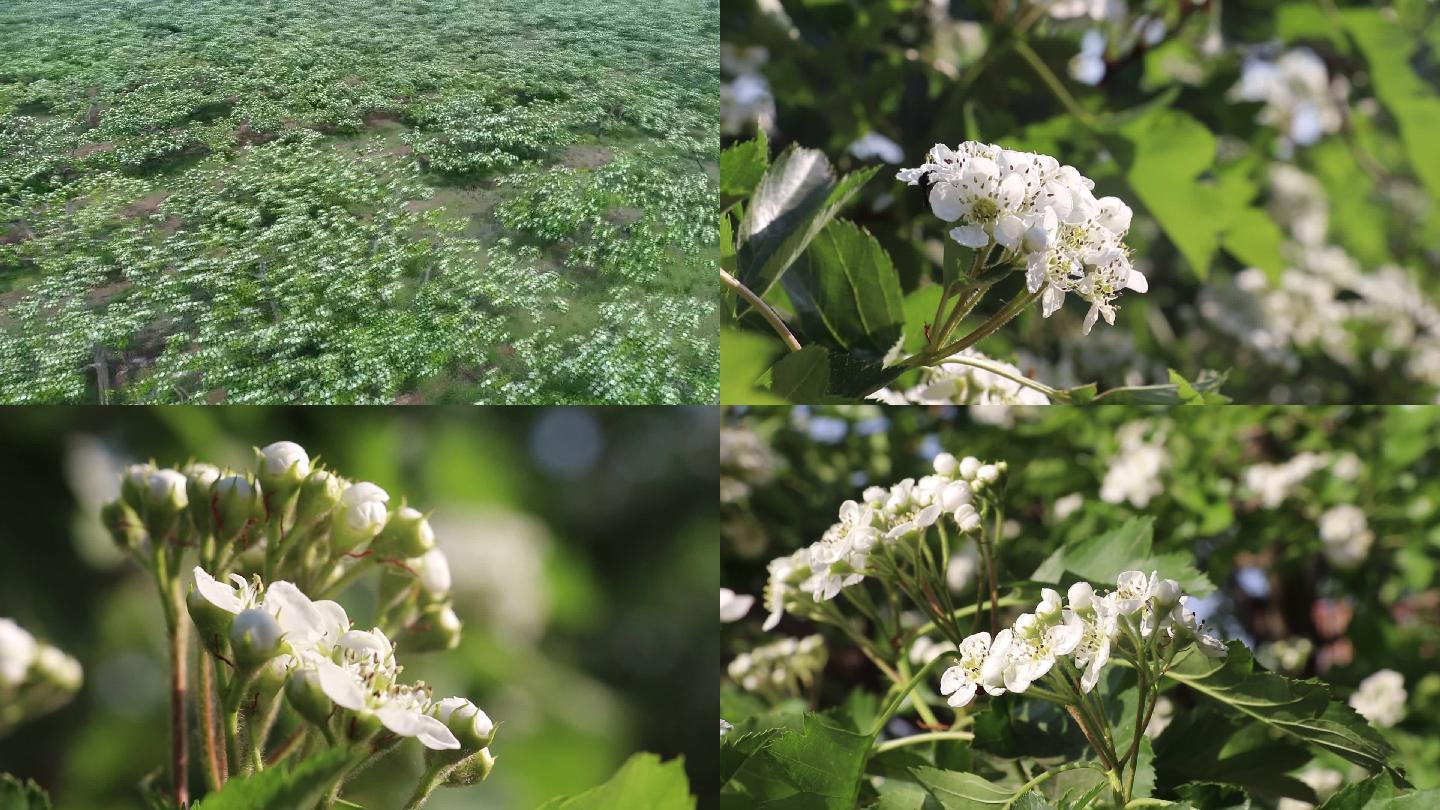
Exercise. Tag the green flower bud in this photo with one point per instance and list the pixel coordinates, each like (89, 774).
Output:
(164, 500)
(436, 629)
(133, 484)
(307, 698)
(199, 489)
(359, 516)
(255, 637)
(282, 467)
(236, 501)
(406, 534)
(319, 493)
(470, 725)
(473, 769)
(124, 525)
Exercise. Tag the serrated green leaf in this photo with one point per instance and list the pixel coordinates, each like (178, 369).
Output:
(301, 785)
(803, 376)
(744, 357)
(1203, 745)
(845, 291)
(796, 199)
(643, 781)
(963, 791)
(1301, 709)
(741, 167)
(816, 768)
(18, 795)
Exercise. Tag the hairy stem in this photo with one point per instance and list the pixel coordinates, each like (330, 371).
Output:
(434, 777)
(179, 700)
(215, 774)
(765, 310)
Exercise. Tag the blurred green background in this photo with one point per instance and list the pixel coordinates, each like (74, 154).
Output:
(582, 541)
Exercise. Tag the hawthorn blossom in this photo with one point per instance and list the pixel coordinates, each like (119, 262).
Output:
(1381, 698)
(1345, 535)
(733, 606)
(364, 681)
(961, 681)
(17, 652)
(1300, 99)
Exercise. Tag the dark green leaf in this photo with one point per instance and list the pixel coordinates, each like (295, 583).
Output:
(1128, 547)
(1411, 100)
(816, 768)
(1301, 709)
(802, 376)
(1203, 745)
(845, 291)
(299, 786)
(17, 795)
(741, 167)
(963, 791)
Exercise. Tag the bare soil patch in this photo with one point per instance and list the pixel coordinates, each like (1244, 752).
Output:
(94, 149)
(586, 156)
(147, 205)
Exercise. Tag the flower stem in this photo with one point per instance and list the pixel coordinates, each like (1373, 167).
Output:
(214, 772)
(1006, 314)
(179, 701)
(434, 776)
(763, 308)
(906, 689)
(1042, 777)
(1054, 84)
(917, 739)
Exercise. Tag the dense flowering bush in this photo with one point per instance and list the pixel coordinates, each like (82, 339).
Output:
(1131, 609)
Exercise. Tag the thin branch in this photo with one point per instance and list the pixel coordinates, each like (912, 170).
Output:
(771, 317)
(215, 773)
(917, 739)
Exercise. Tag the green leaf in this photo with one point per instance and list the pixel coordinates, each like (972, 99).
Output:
(1144, 770)
(727, 244)
(1254, 239)
(299, 786)
(1128, 547)
(853, 375)
(1204, 745)
(845, 291)
(1388, 49)
(17, 795)
(803, 376)
(1378, 793)
(643, 781)
(1203, 390)
(1163, 155)
(736, 749)
(1301, 709)
(1306, 20)
(815, 768)
(963, 791)
(741, 167)
(797, 197)
(919, 312)
(744, 356)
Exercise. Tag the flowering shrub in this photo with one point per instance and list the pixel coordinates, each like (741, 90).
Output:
(1131, 609)
(1241, 190)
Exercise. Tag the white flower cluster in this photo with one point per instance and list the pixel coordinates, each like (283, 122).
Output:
(1044, 216)
(955, 383)
(1300, 99)
(1345, 535)
(1273, 483)
(312, 644)
(1086, 628)
(787, 665)
(838, 559)
(1381, 698)
(35, 677)
(1134, 472)
(745, 97)
(746, 461)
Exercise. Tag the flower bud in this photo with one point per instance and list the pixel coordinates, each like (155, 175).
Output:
(17, 652)
(988, 473)
(199, 490)
(1167, 595)
(474, 768)
(433, 570)
(164, 500)
(359, 516)
(235, 502)
(212, 622)
(968, 467)
(946, 465)
(57, 669)
(282, 467)
(407, 534)
(470, 725)
(306, 696)
(133, 484)
(319, 493)
(255, 637)
(1081, 596)
(436, 629)
(967, 518)
(955, 495)
(124, 525)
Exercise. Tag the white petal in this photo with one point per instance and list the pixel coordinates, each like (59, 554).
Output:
(971, 236)
(429, 731)
(1137, 282)
(963, 695)
(217, 593)
(1009, 229)
(297, 615)
(945, 202)
(339, 685)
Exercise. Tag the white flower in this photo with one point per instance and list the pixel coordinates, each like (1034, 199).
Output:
(58, 668)
(1345, 535)
(1132, 591)
(363, 505)
(1068, 505)
(925, 649)
(1273, 483)
(1098, 628)
(725, 728)
(960, 571)
(1381, 698)
(1088, 66)
(1135, 472)
(1300, 100)
(303, 622)
(733, 606)
(230, 598)
(364, 683)
(1324, 781)
(960, 681)
(778, 586)
(17, 652)
(909, 509)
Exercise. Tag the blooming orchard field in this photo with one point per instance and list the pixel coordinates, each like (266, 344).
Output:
(348, 201)
(1065, 608)
(1033, 201)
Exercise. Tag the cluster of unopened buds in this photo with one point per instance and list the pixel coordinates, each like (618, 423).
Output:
(270, 545)
(783, 668)
(35, 677)
(1143, 620)
(1042, 216)
(882, 518)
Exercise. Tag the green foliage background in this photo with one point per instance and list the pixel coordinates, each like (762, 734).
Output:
(611, 653)
(1161, 131)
